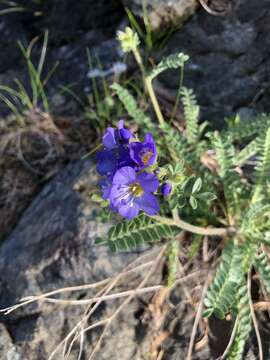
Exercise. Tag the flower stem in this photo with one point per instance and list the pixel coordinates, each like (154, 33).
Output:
(148, 86)
(151, 92)
(193, 228)
(139, 61)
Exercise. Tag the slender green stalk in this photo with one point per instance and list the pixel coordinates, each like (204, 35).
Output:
(193, 228)
(149, 86)
(178, 93)
(139, 61)
(153, 98)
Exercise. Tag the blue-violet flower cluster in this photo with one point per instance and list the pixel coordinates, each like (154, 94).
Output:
(127, 182)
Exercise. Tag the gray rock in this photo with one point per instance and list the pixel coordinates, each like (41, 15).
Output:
(163, 13)
(53, 247)
(229, 60)
(7, 349)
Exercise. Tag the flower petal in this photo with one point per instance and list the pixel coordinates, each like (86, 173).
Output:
(148, 203)
(120, 124)
(166, 189)
(149, 138)
(106, 162)
(124, 133)
(130, 210)
(119, 194)
(124, 176)
(124, 158)
(144, 154)
(105, 186)
(149, 182)
(134, 149)
(109, 138)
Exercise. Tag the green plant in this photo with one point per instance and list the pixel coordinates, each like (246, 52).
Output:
(151, 38)
(19, 100)
(10, 7)
(236, 209)
(209, 197)
(15, 7)
(102, 108)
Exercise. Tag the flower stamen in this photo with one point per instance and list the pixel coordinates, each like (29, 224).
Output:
(146, 156)
(136, 189)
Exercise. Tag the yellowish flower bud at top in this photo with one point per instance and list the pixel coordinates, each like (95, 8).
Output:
(129, 39)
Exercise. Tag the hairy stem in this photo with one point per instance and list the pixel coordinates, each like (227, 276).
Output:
(195, 229)
(149, 86)
(139, 61)
(151, 92)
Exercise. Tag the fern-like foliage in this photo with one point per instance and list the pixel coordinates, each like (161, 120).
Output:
(248, 151)
(222, 292)
(131, 234)
(255, 221)
(263, 167)
(263, 268)
(245, 129)
(233, 187)
(243, 325)
(179, 147)
(191, 112)
(189, 161)
(173, 261)
(173, 61)
(132, 108)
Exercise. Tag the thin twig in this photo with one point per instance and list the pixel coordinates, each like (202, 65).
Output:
(113, 283)
(255, 323)
(261, 306)
(229, 345)
(213, 12)
(126, 302)
(30, 299)
(85, 319)
(88, 313)
(197, 319)
(68, 336)
(105, 297)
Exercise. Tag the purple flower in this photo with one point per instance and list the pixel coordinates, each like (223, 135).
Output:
(115, 137)
(166, 189)
(132, 192)
(124, 134)
(116, 152)
(105, 185)
(106, 162)
(109, 138)
(144, 154)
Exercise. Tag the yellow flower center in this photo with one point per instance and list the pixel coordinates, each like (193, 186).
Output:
(145, 157)
(136, 189)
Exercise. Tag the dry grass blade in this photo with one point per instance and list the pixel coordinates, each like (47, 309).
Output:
(29, 299)
(79, 329)
(127, 301)
(214, 12)
(105, 297)
(253, 316)
(197, 318)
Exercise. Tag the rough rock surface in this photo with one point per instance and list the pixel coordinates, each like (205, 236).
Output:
(72, 27)
(229, 60)
(52, 247)
(163, 13)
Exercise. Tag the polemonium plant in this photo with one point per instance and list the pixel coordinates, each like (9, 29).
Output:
(196, 193)
(193, 181)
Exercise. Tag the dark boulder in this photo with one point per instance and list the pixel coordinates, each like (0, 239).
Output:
(229, 60)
